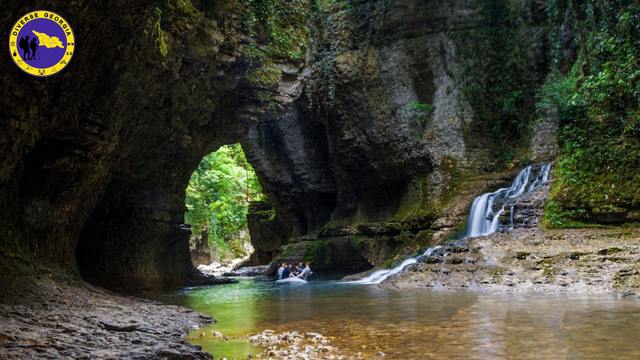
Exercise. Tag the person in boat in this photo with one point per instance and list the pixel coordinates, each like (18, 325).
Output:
(306, 271)
(280, 270)
(296, 270)
(286, 272)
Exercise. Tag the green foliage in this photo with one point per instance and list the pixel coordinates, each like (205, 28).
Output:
(390, 263)
(422, 111)
(415, 105)
(278, 31)
(266, 215)
(426, 205)
(358, 242)
(598, 171)
(186, 7)
(557, 217)
(171, 9)
(218, 195)
(267, 75)
(328, 6)
(288, 250)
(158, 36)
(320, 254)
(558, 92)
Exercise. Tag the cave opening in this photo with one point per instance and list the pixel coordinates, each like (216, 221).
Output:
(218, 198)
(152, 227)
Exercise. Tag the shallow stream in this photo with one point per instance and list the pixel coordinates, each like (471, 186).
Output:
(418, 324)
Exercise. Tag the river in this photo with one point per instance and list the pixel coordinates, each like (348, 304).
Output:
(418, 324)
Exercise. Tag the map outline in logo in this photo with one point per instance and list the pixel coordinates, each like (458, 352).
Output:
(41, 43)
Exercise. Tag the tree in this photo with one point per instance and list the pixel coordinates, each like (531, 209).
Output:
(218, 196)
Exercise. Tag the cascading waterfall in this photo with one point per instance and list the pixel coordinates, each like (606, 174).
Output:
(380, 275)
(484, 219)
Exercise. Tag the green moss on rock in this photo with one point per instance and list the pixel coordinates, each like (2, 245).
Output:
(158, 36)
(267, 75)
(501, 77)
(186, 7)
(278, 32)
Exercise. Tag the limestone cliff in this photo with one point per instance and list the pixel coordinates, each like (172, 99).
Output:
(403, 108)
(372, 112)
(96, 159)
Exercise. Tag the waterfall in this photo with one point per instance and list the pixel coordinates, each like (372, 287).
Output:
(483, 217)
(380, 275)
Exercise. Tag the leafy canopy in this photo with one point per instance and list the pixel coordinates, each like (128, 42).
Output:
(218, 195)
(598, 171)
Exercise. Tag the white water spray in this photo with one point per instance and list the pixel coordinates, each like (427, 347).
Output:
(380, 275)
(483, 218)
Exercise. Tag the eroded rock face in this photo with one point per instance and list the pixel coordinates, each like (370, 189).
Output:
(389, 84)
(97, 158)
(376, 126)
(268, 233)
(385, 132)
(68, 322)
(528, 259)
(327, 256)
(201, 252)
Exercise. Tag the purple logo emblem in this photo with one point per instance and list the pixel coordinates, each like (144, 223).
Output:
(41, 43)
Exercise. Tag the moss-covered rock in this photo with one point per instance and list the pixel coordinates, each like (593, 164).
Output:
(378, 116)
(112, 140)
(328, 257)
(598, 170)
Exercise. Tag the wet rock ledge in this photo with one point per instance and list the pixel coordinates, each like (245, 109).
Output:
(73, 322)
(532, 259)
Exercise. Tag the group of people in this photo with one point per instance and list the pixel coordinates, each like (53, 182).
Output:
(290, 270)
(29, 48)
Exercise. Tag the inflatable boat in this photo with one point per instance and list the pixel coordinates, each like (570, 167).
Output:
(291, 280)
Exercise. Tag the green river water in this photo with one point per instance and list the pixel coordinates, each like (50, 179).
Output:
(424, 324)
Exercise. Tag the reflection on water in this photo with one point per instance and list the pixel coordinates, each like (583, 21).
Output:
(420, 324)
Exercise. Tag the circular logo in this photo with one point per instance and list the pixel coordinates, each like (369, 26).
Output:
(41, 43)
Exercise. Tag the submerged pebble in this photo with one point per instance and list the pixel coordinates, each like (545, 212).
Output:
(293, 345)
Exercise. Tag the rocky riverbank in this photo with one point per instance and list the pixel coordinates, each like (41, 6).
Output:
(533, 259)
(524, 256)
(73, 322)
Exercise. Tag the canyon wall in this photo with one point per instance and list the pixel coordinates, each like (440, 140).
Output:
(96, 159)
(405, 105)
(375, 112)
